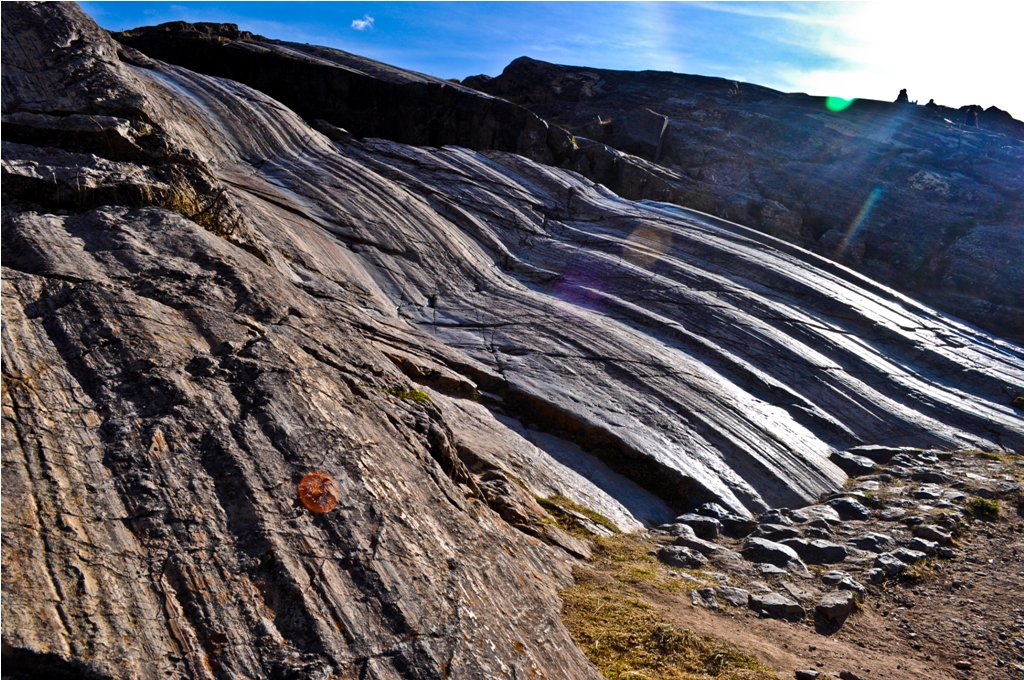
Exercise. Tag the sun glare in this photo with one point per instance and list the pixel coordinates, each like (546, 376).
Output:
(837, 103)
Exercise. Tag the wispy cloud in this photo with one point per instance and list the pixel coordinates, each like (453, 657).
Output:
(363, 24)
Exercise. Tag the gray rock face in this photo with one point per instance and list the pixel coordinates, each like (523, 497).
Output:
(204, 299)
(641, 132)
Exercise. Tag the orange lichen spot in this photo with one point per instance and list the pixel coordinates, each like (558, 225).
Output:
(318, 492)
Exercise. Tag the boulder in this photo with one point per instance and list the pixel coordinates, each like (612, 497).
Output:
(849, 509)
(730, 521)
(776, 606)
(880, 454)
(930, 477)
(776, 532)
(908, 556)
(852, 464)
(930, 548)
(935, 533)
(704, 597)
(889, 564)
(770, 552)
(708, 528)
(836, 605)
(682, 557)
(735, 597)
(876, 543)
(698, 544)
(812, 512)
(822, 552)
(773, 516)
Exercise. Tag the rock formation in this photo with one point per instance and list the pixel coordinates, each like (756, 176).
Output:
(905, 194)
(206, 298)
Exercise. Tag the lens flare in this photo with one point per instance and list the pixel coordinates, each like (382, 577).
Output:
(646, 246)
(865, 210)
(837, 103)
(318, 492)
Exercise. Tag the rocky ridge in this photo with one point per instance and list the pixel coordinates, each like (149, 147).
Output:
(205, 298)
(927, 199)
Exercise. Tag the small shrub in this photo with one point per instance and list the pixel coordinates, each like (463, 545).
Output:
(983, 508)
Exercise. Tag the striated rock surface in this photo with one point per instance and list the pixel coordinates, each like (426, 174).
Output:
(205, 298)
(928, 199)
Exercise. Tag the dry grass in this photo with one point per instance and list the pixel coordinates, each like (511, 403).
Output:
(626, 637)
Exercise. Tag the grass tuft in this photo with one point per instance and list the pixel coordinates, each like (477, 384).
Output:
(558, 505)
(418, 396)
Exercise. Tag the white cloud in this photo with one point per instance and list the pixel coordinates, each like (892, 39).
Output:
(363, 24)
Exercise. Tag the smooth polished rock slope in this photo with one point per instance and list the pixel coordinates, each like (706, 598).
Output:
(928, 199)
(204, 299)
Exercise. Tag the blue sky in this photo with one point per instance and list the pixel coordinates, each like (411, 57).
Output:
(956, 53)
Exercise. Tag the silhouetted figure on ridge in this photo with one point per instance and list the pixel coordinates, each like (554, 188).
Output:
(903, 98)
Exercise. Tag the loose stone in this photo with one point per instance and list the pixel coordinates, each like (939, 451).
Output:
(776, 605)
(876, 543)
(680, 556)
(707, 528)
(763, 550)
(704, 597)
(889, 564)
(836, 605)
(849, 509)
(735, 597)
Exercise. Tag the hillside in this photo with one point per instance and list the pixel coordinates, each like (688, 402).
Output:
(209, 294)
